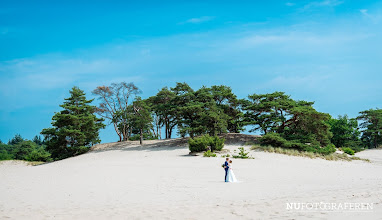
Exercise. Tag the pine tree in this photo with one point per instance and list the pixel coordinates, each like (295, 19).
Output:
(75, 128)
(372, 127)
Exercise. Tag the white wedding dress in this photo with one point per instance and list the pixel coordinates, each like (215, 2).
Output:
(230, 175)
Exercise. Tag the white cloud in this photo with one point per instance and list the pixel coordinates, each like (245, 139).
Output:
(290, 4)
(375, 17)
(363, 11)
(199, 20)
(325, 3)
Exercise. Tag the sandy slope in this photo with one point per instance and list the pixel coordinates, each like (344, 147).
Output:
(151, 182)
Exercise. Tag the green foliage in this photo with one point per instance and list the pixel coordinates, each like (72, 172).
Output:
(38, 154)
(329, 149)
(243, 154)
(372, 127)
(212, 111)
(75, 128)
(275, 140)
(16, 140)
(199, 144)
(141, 118)
(4, 153)
(163, 104)
(37, 139)
(295, 121)
(345, 133)
(209, 154)
(114, 101)
(146, 136)
(348, 150)
(25, 150)
(217, 143)
(292, 152)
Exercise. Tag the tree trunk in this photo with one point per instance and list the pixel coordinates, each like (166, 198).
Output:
(166, 128)
(116, 130)
(141, 137)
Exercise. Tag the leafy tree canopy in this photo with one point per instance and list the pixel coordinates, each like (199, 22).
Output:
(74, 128)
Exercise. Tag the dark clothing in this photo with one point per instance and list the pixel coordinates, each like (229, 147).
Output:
(226, 170)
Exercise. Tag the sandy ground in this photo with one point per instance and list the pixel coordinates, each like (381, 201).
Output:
(151, 182)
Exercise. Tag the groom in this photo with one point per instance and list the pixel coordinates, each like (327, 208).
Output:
(226, 168)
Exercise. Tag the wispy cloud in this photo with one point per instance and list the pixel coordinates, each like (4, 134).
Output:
(325, 3)
(290, 4)
(199, 20)
(375, 17)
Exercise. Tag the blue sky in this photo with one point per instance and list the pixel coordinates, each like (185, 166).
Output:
(327, 51)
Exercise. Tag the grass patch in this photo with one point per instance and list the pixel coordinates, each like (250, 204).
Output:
(243, 154)
(209, 154)
(293, 152)
(35, 163)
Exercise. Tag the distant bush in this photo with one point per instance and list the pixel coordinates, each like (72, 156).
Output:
(275, 140)
(199, 144)
(242, 154)
(38, 155)
(4, 155)
(21, 150)
(216, 143)
(209, 154)
(136, 137)
(348, 150)
(24, 150)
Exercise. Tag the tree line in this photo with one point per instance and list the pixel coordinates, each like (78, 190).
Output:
(283, 121)
(215, 110)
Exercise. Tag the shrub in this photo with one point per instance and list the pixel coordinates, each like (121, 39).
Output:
(209, 154)
(348, 150)
(136, 137)
(4, 155)
(22, 149)
(217, 143)
(329, 149)
(242, 154)
(273, 139)
(199, 144)
(38, 155)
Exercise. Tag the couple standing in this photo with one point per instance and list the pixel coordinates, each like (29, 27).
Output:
(229, 175)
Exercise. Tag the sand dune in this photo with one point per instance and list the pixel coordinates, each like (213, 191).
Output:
(160, 180)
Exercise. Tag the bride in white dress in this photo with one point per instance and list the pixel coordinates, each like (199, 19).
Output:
(230, 175)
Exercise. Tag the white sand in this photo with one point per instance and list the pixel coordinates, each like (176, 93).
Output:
(165, 183)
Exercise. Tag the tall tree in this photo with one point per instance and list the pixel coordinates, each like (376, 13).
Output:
(345, 132)
(227, 101)
(293, 120)
(372, 127)
(16, 139)
(114, 101)
(37, 139)
(141, 118)
(74, 128)
(164, 107)
(186, 109)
